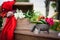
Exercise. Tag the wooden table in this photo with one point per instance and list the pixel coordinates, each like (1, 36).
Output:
(23, 32)
(28, 35)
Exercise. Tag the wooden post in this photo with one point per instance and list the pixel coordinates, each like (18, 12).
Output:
(58, 9)
(47, 2)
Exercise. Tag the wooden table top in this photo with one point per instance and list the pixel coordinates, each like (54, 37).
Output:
(52, 34)
(24, 27)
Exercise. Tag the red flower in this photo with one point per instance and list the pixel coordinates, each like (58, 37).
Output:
(49, 21)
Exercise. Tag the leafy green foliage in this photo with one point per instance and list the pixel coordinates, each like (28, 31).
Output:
(28, 14)
(43, 21)
(33, 17)
(55, 26)
(39, 22)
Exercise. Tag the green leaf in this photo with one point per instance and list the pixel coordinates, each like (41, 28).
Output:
(28, 14)
(43, 21)
(55, 26)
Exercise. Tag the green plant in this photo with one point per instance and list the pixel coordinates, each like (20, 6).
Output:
(32, 16)
(29, 14)
(37, 18)
(54, 27)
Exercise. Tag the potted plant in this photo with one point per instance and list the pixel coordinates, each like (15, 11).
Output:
(42, 23)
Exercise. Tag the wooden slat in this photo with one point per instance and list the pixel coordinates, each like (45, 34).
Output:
(51, 35)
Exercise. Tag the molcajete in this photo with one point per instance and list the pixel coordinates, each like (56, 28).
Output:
(41, 27)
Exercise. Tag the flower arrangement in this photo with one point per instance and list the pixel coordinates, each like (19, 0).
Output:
(38, 18)
(44, 20)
